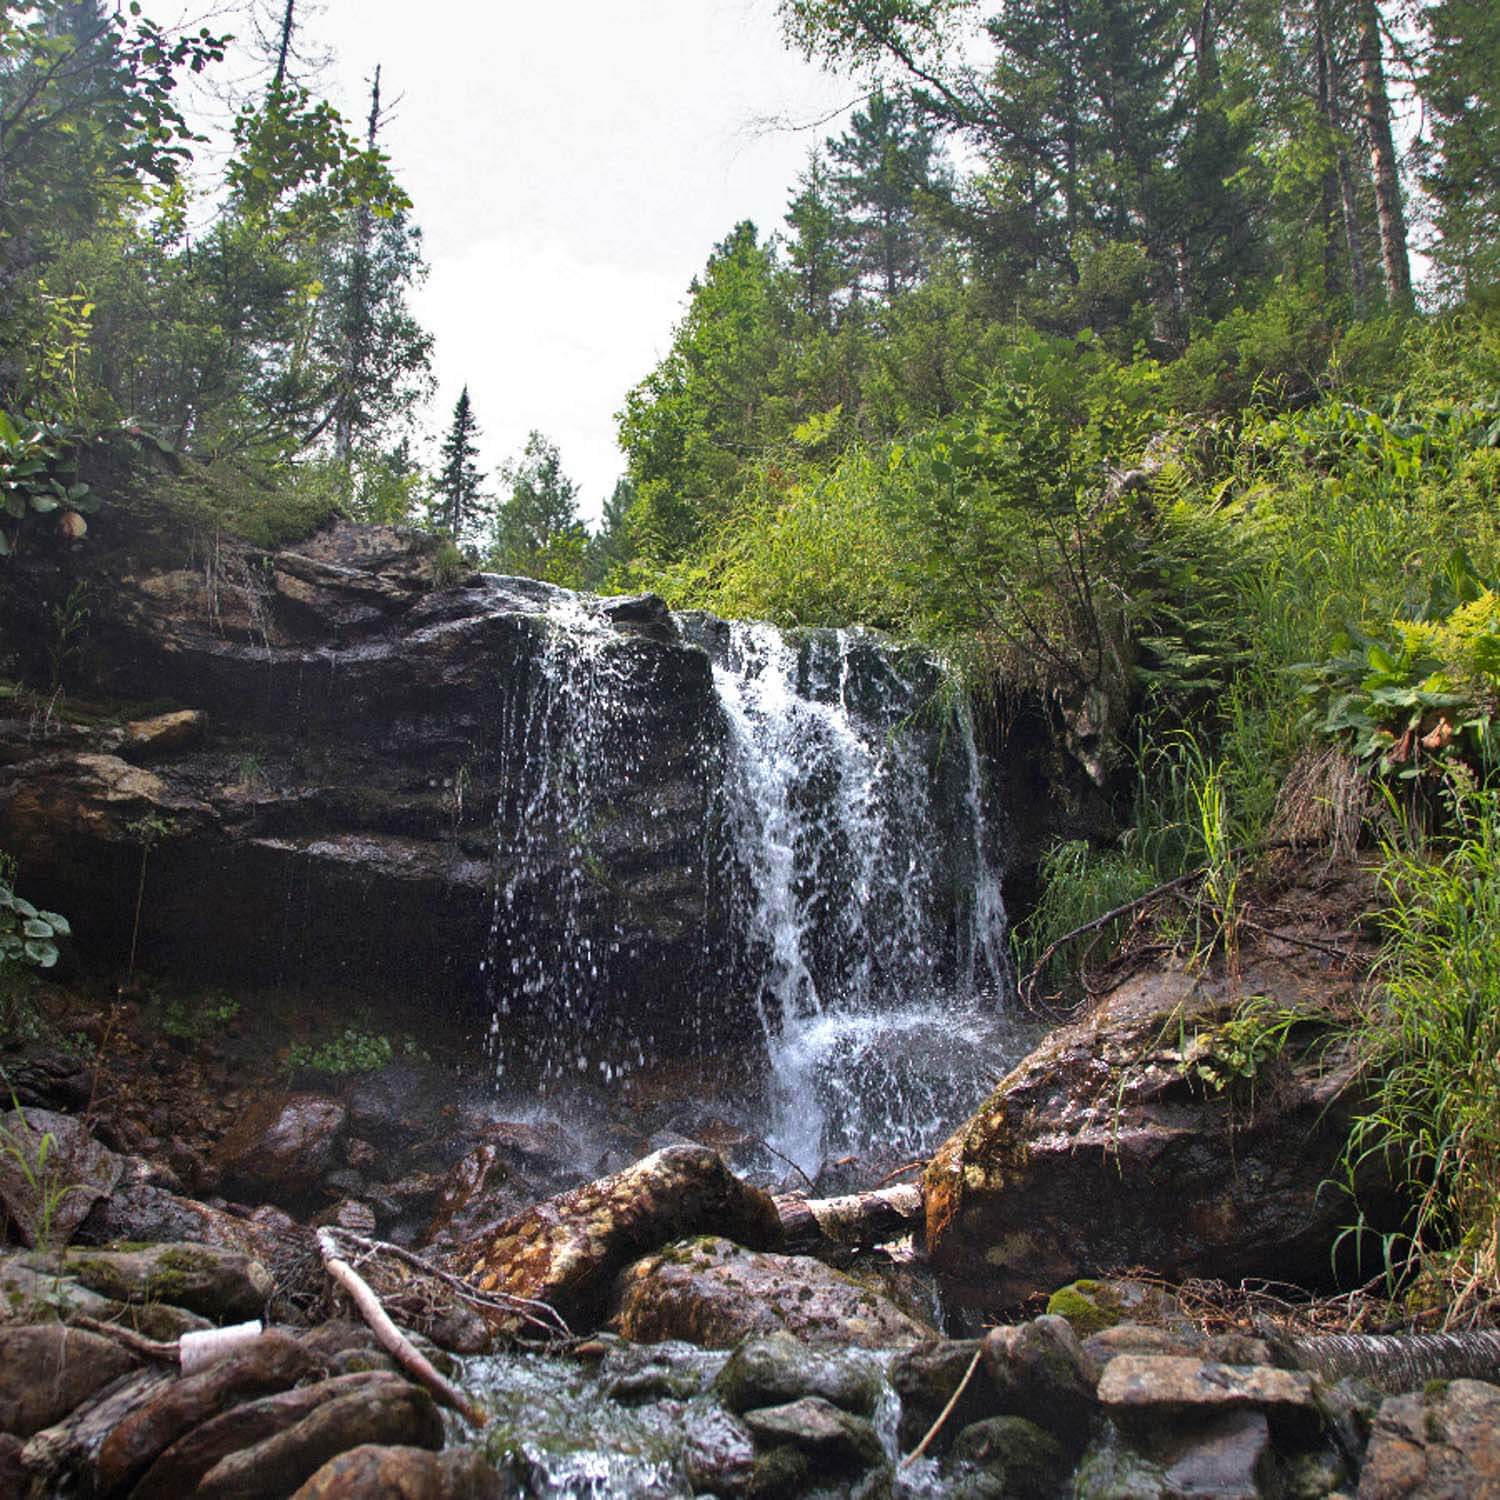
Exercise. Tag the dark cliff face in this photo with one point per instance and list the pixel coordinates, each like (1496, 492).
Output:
(333, 815)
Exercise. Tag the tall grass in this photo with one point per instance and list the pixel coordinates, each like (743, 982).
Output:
(1434, 1117)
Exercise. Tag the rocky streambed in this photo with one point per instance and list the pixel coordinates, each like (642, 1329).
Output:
(671, 1328)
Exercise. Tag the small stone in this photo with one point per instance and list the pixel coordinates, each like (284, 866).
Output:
(350, 1214)
(1028, 1463)
(1146, 1389)
(775, 1368)
(164, 734)
(832, 1438)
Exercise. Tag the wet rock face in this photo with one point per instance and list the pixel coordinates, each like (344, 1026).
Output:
(321, 805)
(1106, 1148)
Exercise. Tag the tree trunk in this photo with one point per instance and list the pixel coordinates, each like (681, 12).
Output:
(1389, 215)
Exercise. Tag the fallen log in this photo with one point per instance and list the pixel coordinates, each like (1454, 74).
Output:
(1397, 1362)
(856, 1220)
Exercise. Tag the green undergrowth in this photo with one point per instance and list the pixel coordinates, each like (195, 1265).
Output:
(1433, 1036)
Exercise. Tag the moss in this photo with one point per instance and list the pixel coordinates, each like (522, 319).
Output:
(1089, 1306)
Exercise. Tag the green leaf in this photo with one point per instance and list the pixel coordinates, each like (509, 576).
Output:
(36, 928)
(22, 908)
(44, 955)
(42, 504)
(60, 925)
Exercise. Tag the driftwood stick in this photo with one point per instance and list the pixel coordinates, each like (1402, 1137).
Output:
(401, 1348)
(946, 1412)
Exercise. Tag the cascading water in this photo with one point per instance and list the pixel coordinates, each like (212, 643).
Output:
(844, 898)
(872, 906)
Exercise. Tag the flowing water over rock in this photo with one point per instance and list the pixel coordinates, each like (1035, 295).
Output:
(852, 928)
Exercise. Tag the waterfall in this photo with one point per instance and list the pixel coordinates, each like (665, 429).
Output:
(871, 913)
(835, 884)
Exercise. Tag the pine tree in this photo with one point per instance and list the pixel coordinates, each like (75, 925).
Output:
(537, 530)
(610, 547)
(462, 508)
(881, 166)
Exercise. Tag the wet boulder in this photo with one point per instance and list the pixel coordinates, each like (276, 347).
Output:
(1442, 1443)
(834, 1440)
(177, 1471)
(713, 1292)
(1127, 1139)
(1018, 1459)
(46, 1369)
(280, 1147)
(375, 1472)
(51, 1174)
(776, 1368)
(392, 1413)
(273, 1362)
(568, 1251)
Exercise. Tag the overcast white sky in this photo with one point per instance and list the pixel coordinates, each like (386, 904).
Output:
(572, 164)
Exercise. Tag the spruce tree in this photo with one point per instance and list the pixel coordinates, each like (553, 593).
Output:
(462, 507)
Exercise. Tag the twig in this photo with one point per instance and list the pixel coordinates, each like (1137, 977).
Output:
(127, 1338)
(1026, 989)
(911, 1166)
(539, 1314)
(782, 1156)
(1300, 942)
(946, 1412)
(404, 1351)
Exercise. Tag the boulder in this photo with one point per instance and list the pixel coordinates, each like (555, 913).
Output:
(392, 1413)
(33, 1288)
(164, 734)
(567, 1251)
(52, 1172)
(926, 1378)
(1227, 1457)
(776, 1368)
(279, 1148)
(713, 1292)
(1111, 1146)
(372, 1472)
(273, 1362)
(1439, 1444)
(718, 1454)
(832, 1438)
(1021, 1460)
(1146, 1391)
(47, 1369)
(225, 1285)
(177, 1471)
(1039, 1371)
